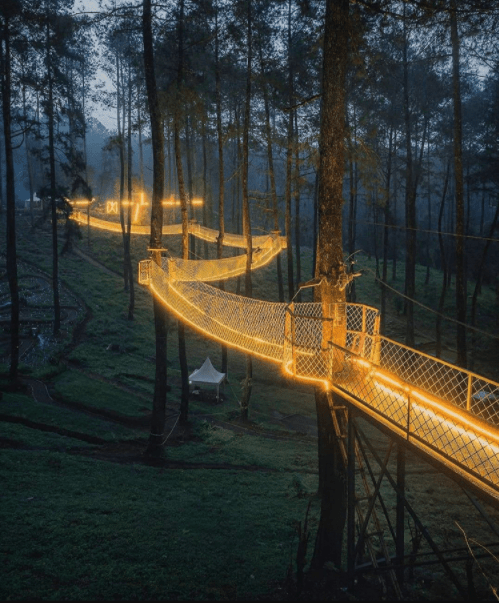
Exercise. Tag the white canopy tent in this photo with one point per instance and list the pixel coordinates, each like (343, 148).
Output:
(207, 375)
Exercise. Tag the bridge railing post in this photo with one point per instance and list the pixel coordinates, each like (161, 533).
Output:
(293, 337)
(288, 352)
(470, 389)
(409, 408)
(145, 272)
(362, 343)
(376, 343)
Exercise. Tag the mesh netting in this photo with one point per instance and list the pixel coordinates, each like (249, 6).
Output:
(425, 400)
(108, 225)
(254, 326)
(447, 411)
(197, 230)
(215, 270)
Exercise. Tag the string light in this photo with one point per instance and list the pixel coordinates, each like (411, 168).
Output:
(367, 375)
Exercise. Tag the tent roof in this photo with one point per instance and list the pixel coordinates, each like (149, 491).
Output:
(207, 374)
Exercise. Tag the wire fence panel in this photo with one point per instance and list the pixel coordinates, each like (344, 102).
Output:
(444, 429)
(202, 232)
(251, 325)
(447, 411)
(221, 269)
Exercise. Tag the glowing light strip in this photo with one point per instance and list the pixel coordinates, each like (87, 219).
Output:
(201, 311)
(390, 392)
(463, 432)
(479, 445)
(445, 409)
(197, 202)
(464, 419)
(137, 210)
(211, 335)
(287, 370)
(82, 203)
(201, 232)
(216, 268)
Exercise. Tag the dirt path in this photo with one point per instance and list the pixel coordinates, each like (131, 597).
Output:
(95, 262)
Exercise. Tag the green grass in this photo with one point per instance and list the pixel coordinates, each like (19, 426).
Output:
(89, 530)
(33, 438)
(221, 444)
(23, 406)
(77, 387)
(79, 528)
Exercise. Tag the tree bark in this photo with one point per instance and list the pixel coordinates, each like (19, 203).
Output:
(410, 207)
(184, 399)
(156, 437)
(221, 177)
(28, 155)
(205, 181)
(443, 262)
(298, 225)
(273, 190)
(246, 210)
(120, 106)
(10, 204)
(188, 156)
(53, 192)
(289, 164)
(352, 206)
(458, 175)
(128, 256)
(428, 207)
(330, 269)
(386, 231)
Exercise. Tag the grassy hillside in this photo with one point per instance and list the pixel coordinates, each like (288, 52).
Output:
(86, 517)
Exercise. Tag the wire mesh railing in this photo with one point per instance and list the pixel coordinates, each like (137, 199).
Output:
(458, 437)
(449, 412)
(198, 230)
(221, 269)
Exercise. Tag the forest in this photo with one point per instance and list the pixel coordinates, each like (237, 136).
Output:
(357, 140)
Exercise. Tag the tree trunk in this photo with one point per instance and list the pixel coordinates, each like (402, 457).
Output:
(246, 211)
(155, 446)
(55, 253)
(329, 268)
(386, 231)
(10, 205)
(410, 208)
(188, 155)
(128, 257)
(443, 261)
(221, 177)
(352, 206)
(428, 206)
(85, 157)
(28, 155)
(1, 175)
(273, 190)
(289, 164)
(205, 183)
(141, 150)
(184, 399)
(298, 225)
(395, 238)
(121, 142)
(458, 175)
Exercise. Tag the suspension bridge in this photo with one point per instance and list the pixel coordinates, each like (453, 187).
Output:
(446, 414)
(449, 413)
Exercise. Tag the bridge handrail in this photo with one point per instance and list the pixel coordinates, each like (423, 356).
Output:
(426, 420)
(454, 385)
